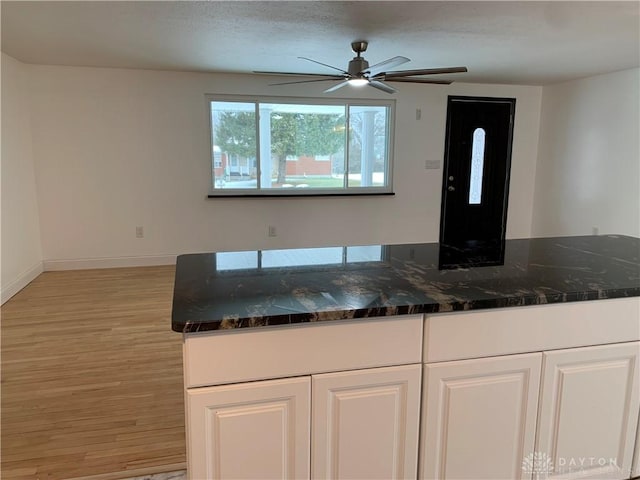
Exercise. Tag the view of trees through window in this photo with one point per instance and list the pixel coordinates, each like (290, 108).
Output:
(306, 147)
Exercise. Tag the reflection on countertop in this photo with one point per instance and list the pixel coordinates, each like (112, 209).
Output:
(471, 254)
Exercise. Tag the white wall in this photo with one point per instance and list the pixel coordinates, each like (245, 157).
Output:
(588, 157)
(21, 252)
(119, 148)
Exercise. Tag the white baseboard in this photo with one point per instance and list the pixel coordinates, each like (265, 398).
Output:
(22, 281)
(109, 262)
(81, 264)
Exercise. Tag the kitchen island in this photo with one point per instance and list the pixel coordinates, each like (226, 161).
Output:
(386, 362)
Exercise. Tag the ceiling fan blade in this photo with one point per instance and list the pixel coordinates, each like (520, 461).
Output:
(382, 86)
(390, 63)
(294, 74)
(308, 81)
(418, 80)
(324, 64)
(423, 71)
(336, 87)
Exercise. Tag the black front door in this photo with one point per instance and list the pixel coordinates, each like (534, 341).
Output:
(475, 185)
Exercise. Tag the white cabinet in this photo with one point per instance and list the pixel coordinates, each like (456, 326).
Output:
(589, 411)
(366, 378)
(365, 424)
(478, 417)
(635, 472)
(511, 393)
(257, 430)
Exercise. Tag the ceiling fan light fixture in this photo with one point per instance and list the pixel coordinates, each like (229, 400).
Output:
(357, 82)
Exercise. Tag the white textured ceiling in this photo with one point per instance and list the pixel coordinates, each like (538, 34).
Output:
(500, 42)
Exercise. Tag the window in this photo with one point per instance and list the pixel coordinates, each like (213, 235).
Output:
(217, 157)
(477, 167)
(293, 146)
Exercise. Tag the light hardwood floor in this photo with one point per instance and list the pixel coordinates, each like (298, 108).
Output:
(91, 376)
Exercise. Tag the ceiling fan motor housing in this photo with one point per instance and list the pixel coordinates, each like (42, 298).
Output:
(357, 66)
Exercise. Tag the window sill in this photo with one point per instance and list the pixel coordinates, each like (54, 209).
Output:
(298, 195)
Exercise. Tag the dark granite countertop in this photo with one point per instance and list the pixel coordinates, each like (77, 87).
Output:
(278, 287)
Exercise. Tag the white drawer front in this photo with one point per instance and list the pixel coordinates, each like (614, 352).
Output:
(275, 352)
(491, 332)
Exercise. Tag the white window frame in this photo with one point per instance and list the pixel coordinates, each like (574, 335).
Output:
(297, 192)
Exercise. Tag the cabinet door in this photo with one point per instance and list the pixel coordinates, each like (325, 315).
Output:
(255, 430)
(636, 456)
(478, 417)
(365, 424)
(589, 411)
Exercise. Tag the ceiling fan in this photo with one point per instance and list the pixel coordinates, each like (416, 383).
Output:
(360, 73)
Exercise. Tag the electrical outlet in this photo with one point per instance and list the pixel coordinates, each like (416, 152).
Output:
(272, 231)
(595, 231)
(139, 232)
(418, 114)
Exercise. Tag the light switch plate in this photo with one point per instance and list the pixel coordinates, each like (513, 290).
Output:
(432, 164)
